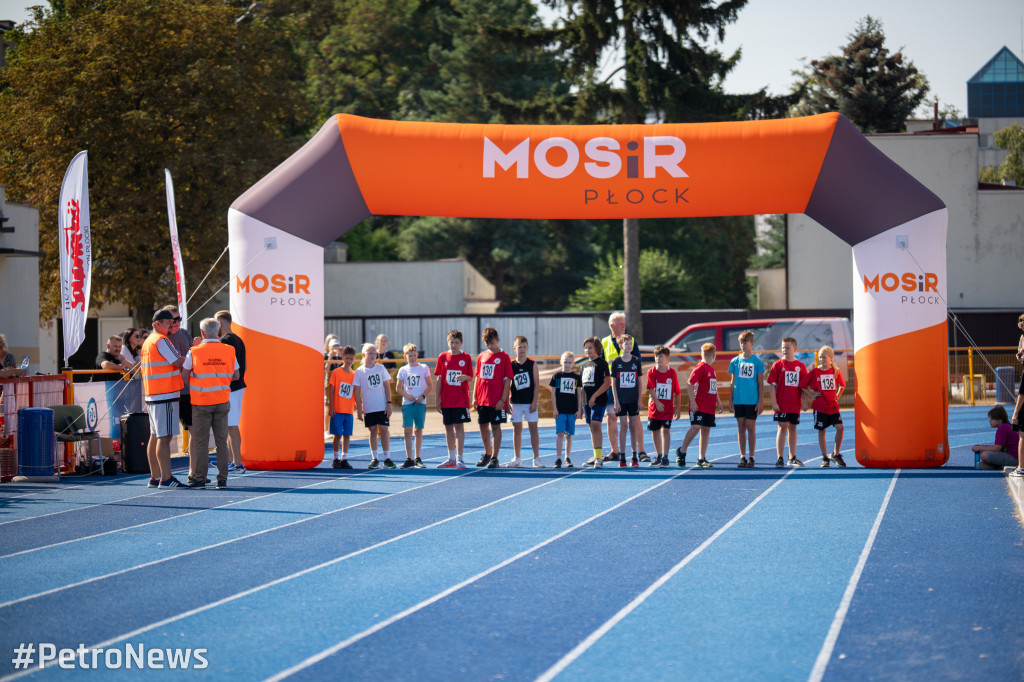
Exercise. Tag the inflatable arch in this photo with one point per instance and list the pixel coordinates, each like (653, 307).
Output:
(818, 165)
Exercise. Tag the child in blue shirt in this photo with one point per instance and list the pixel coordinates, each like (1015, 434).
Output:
(747, 398)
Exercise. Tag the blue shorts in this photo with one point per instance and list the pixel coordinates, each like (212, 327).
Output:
(595, 413)
(414, 415)
(566, 423)
(341, 424)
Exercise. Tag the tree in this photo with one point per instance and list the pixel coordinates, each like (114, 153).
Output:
(143, 86)
(1011, 139)
(771, 251)
(876, 90)
(669, 73)
(663, 283)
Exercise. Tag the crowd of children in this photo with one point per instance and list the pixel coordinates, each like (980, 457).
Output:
(505, 388)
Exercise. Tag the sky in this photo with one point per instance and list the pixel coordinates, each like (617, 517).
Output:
(948, 41)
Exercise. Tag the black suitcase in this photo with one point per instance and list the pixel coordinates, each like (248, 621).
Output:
(134, 438)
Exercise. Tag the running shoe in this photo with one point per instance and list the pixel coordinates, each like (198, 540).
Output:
(568, 463)
(460, 464)
(171, 482)
(656, 462)
(345, 464)
(680, 459)
(419, 464)
(590, 462)
(644, 457)
(408, 464)
(222, 485)
(704, 464)
(537, 464)
(374, 464)
(838, 459)
(611, 457)
(448, 464)
(599, 464)
(388, 464)
(336, 464)
(196, 483)
(153, 483)
(493, 463)
(742, 464)
(1018, 472)
(794, 462)
(514, 463)
(622, 462)
(484, 459)
(825, 462)
(750, 462)
(635, 462)
(558, 463)
(779, 463)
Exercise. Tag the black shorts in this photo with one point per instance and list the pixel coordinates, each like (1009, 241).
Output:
(787, 417)
(629, 409)
(702, 419)
(658, 424)
(454, 415)
(485, 414)
(376, 419)
(823, 420)
(745, 411)
(185, 409)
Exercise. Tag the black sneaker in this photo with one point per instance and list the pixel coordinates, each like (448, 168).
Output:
(483, 460)
(644, 457)
(336, 464)
(838, 459)
(222, 485)
(656, 462)
(680, 457)
(388, 464)
(794, 462)
(568, 463)
(419, 463)
(779, 463)
(558, 464)
(196, 483)
(408, 464)
(742, 464)
(611, 457)
(704, 464)
(344, 464)
(153, 483)
(825, 462)
(172, 482)
(374, 464)
(493, 463)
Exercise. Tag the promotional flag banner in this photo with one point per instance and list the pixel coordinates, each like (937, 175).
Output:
(75, 252)
(179, 269)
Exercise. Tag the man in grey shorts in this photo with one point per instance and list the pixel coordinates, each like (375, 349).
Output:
(161, 383)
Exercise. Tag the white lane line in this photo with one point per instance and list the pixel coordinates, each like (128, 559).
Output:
(311, 569)
(597, 634)
(821, 663)
(224, 542)
(316, 658)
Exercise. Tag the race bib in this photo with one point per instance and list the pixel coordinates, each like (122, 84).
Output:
(588, 376)
(712, 386)
(627, 380)
(453, 377)
(828, 382)
(413, 382)
(663, 391)
(567, 385)
(373, 379)
(521, 380)
(345, 390)
(746, 370)
(487, 371)
(791, 378)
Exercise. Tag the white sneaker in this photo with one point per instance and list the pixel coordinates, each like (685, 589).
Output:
(514, 463)
(599, 464)
(590, 462)
(537, 464)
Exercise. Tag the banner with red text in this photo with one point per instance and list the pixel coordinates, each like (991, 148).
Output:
(179, 269)
(75, 252)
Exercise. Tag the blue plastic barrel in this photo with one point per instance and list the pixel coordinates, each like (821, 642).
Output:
(1005, 385)
(36, 443)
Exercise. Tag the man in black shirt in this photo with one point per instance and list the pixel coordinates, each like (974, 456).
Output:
(237, 391)
(111, 358)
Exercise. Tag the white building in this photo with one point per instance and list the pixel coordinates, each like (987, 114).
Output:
(985, 239)
(19, 263)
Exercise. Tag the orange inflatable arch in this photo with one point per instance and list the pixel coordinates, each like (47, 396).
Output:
(819, 165)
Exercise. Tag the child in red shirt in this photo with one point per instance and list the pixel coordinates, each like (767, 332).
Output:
(490, 395)
(785, 380)
(663, 405)
(702, 390)
(824, 384)
(454, 369)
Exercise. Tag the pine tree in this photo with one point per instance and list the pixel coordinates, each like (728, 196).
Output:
(876, 90)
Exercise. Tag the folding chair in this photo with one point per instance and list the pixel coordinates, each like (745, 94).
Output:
(69, 427)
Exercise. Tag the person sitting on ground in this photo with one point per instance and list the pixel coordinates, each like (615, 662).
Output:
(1002, 453)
